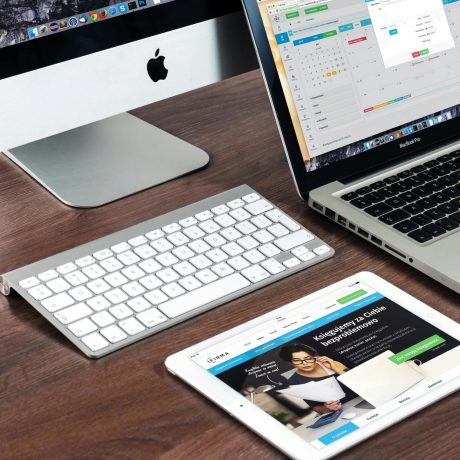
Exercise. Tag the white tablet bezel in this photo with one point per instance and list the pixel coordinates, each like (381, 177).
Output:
(181, 365)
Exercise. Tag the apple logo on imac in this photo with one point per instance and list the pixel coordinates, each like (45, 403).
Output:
(156, 67)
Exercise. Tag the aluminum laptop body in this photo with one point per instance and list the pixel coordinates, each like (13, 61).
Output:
(366, 95)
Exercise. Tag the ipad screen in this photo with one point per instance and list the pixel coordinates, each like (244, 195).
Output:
(330, 367)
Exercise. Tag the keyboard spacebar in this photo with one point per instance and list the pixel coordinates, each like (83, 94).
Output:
(204, 295)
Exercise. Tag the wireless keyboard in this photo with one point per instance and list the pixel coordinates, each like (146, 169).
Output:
(114, 291)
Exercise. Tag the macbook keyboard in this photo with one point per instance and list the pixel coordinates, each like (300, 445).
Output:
(422, 202)
(114, 291)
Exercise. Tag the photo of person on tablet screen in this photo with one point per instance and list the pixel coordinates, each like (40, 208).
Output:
(310, 367)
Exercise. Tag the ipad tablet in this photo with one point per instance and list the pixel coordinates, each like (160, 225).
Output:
(331, 369)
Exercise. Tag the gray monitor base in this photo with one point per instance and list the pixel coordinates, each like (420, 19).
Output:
(102, 162)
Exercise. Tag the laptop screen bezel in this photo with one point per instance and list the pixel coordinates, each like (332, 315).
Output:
(353, 166)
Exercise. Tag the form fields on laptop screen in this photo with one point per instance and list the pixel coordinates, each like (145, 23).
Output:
(358, 74)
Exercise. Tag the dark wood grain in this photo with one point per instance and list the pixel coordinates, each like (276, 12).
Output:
(55, 403)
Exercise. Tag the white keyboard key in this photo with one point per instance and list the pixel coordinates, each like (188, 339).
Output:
(254, 256)
(94, 271)
(111, 264)
(128, 258)
(121, 311)
(231, 234)
(273, 266)
(205, 215)
(262, 236)
(184, 268)
(261, 222)
(48, 275)
(98, 286)
(183, 253)
(150, 266)
(238, 263)
(113, 333)
(150, 282)
(215, 240)
(294, 239)
(209, 226)
(217, 255)
(221, 209)
(190, 283)
(116, 296)
(151, 318)
(277, 216)
(167, 259)
(98, 303)
(161, 245)
(173, 290)
(225, 220)
(292, 262)
(73, 313)
(204, 295)
(76, 278)
(171, 228)
(139, 304)
(103, 254)
(232, 249)
(194, 232)
(246, 228)
(40, 292)
(57, 302)
(131, 326)
(206, 276)
(58, 285)
(103, 319)
(133, 273)
(145, 251)
(85, 261)
(29, 282)
(251, 197)
(269, 250)
(168, 275)
(187, 222)
(255, 273)
(82, 327)
(299, 251)
(133, 289)
(258, 207)
(154, 235)
(156, 297)
(95, 342)
(222, 269)
(278, 230)
(248, 242)
(66, 268)
(80, 293)
(320, 250)
(308, 256)
(121, 247)
(199, 246)
(178, 239)
(240, 214)
(236, 203)
(116, 279)
(138, 241)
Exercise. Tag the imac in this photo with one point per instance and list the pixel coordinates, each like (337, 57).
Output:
(69, 72)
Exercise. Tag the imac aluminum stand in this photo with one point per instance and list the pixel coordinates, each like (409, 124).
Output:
(102, 162)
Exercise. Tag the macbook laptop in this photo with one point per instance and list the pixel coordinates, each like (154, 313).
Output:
(366, 94)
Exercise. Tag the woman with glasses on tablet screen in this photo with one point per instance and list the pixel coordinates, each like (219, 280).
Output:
(310, 367)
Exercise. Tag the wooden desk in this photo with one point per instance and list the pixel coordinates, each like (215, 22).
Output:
(56, 404)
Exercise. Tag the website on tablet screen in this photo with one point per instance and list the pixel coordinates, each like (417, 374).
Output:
(333, 365)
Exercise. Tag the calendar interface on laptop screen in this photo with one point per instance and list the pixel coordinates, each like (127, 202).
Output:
(334, 365)
(358, 74)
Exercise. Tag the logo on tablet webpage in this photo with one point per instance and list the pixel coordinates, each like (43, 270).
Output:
(216, 358)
